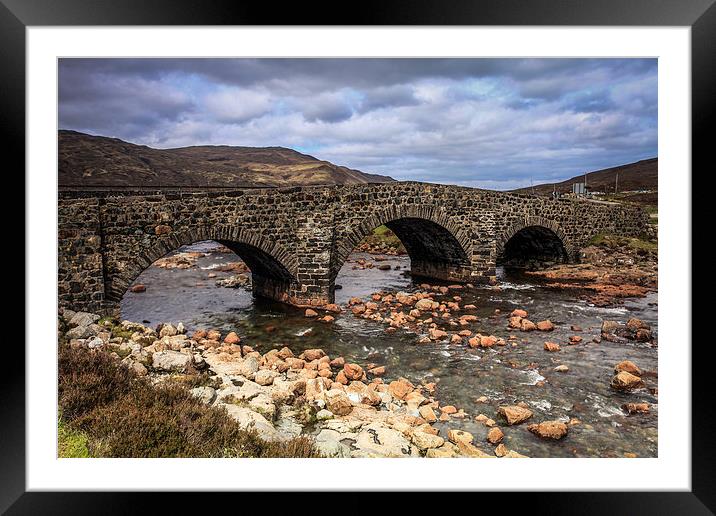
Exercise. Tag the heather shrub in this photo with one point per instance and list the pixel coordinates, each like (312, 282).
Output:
(124, 415)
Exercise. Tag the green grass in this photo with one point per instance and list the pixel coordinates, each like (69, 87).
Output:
(383, 235)
(71, 443)
(614, 241)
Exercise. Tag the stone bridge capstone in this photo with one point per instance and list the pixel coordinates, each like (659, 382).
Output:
(295, 240)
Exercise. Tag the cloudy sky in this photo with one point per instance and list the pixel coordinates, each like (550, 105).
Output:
(490, 123)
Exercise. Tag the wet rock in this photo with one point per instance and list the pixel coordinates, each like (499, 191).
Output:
(436, 334)
(377, 371)
(551, 346)
(495, 435)
(609, 327)
(636, 408)
(310, 313)
(635, 324)
(514, 414)
(139, 287)
(628, 366)
(459, 436)
(549, 429)
(545, 325)
(519, 313)
(332, 307)
(624, 381)
(575, 339)
(527, 325)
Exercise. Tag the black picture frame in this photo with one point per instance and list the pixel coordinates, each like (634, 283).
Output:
(700, 15)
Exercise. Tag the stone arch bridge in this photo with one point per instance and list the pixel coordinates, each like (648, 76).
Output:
(295, 240)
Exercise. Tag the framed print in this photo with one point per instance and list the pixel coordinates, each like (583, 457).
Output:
(454, 233)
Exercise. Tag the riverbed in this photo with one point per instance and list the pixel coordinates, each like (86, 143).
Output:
(521, 371)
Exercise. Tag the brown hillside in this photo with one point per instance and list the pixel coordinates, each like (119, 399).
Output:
(98, 161)
(642, 175)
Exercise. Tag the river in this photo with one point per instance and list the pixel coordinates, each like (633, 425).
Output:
(506, 375)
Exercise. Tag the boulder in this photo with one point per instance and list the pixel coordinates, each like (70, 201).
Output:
(83, 319)
(636, 408)
(265, 376)
(514, 414)
(377, 440)
(170, 361)
(459, 436)
(519, 313)
(495, 435)
(426, 440)
(628, 366)
(337, 402)
(545, 325)
(232, 338)
(551, 346)
(549, 429)
(624, 381)
(527, 325)
(400, 388)
(205, 394)
(312, 354)
(353, 372)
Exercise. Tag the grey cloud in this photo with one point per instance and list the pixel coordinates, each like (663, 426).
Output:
(479, 122)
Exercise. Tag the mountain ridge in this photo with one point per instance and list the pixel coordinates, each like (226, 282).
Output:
(86, 160)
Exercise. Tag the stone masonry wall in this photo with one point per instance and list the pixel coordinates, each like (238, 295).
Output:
(295, 240)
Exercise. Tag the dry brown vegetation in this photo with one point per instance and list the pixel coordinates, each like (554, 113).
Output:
(124, 415)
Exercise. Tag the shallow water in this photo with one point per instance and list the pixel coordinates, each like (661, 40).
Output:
(505, 375)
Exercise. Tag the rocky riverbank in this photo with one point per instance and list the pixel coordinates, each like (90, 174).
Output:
(610, 270)
(355, 409)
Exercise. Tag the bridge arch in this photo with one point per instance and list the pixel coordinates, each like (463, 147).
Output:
(437, 246)
(272, 267)
(535, 236)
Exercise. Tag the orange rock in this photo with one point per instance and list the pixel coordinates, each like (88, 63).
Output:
(514, 414)
(495, 435)
(519, 313)
(312, 354)
(551, 346)
(628, 366)
(545, 325)
(549, 429)
(636, 408)
(400, 388)
(232, 338)
(624, 381)
(353, 371)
